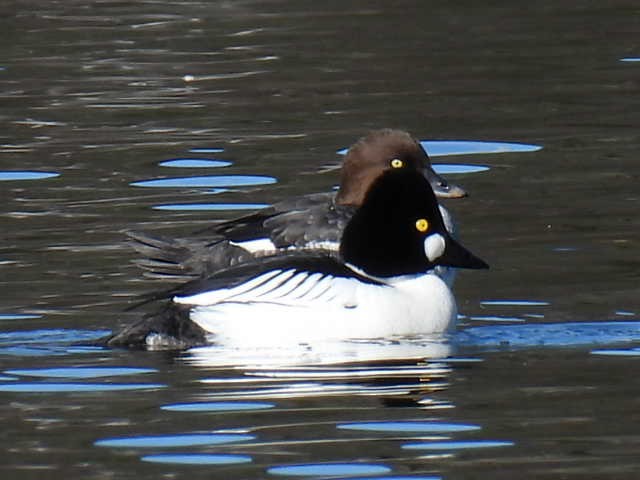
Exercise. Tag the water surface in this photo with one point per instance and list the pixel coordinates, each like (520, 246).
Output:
(164, 117)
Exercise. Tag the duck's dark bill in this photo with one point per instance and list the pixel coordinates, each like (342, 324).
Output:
(441, 187)
(455, 255)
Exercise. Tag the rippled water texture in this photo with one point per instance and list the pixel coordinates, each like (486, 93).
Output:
(166, 116)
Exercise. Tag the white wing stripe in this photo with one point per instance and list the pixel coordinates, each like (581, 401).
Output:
(273, 282)
(214, 296)
(308, 285)
(287, 286)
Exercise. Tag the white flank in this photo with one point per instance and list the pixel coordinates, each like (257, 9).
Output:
(301, 308)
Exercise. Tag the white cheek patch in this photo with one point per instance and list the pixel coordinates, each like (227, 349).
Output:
(434, 246)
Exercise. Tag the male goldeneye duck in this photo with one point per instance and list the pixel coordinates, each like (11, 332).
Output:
(381, 286)
(313, 221)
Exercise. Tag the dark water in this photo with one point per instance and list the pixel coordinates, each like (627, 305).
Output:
(541, 381)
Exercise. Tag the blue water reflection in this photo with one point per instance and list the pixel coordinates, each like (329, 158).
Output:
(457, 168)
(47, 387)
(492, 337)
(80, 372)
(48, 337)
(26, 175)
(18, 316)
(329, 469)
(437, 148)
(181, 440)
(518, 303)
(207, 181)
(409, 427)
(206, 150)
(495, 318)
(457, 445)
(197, 458)
(194, 163)
(42, 343)
(217, 406)
(629, 352)
(45, 351)
(393, 477)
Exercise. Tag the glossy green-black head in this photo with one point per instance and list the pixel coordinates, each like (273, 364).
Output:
(398, 230)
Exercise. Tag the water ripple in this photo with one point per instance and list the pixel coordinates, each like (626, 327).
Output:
(197, 207)
(493, 337)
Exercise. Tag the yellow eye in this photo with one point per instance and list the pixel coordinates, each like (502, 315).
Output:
(397, 163)
(422, 225)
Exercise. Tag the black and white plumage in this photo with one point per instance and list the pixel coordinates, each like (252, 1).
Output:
(313, 221)
(381, 285)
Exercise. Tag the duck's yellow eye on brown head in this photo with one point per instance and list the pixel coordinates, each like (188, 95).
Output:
(422, 225)
(397, 163)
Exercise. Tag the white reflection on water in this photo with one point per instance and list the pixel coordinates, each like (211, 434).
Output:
(324, 353)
